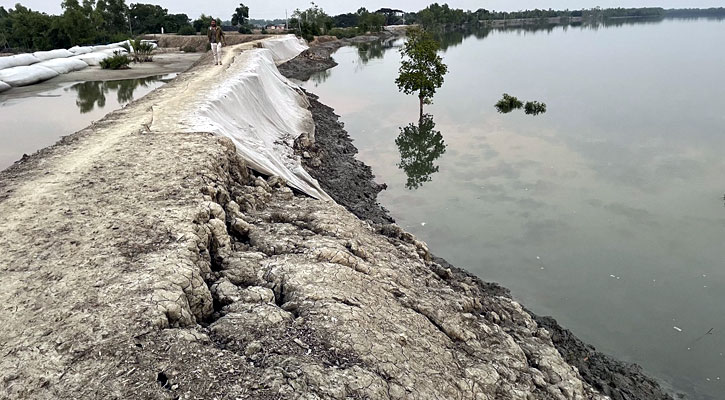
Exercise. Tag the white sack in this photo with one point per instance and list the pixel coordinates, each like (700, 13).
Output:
(285, 47)
(49, 55)
(95, 58)
(262, 113)
(118, 50)
(4, 86)
(18, 60)
(64, 65)
(26, 75)
(76, 50)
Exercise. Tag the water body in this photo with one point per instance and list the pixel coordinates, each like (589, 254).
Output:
(36, 119)
(605, 212)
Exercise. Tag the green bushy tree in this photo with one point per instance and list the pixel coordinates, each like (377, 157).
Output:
(422, 69)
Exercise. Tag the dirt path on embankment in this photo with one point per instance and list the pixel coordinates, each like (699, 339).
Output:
(140, 262)
(352, 184)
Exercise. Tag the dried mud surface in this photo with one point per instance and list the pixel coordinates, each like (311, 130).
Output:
(140, 262)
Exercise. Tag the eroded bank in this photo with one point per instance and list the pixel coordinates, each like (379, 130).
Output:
(144, 259)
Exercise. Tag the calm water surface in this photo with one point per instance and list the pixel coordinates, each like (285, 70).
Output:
(606, 212)
(33, 119)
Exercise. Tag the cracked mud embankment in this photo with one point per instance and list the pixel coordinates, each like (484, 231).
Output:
(140, 262)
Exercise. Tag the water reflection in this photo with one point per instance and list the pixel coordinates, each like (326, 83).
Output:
(454, 37)
(419, 146)
(93, 93)
(374, 50)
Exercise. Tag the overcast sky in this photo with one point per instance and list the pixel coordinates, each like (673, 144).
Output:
(269, 9)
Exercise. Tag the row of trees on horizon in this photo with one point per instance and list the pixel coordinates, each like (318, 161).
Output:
(102, 21)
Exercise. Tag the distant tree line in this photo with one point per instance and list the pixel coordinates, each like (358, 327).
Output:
(102, 21)
(94, 22)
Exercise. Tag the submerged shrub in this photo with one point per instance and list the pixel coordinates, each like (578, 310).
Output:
(508, 103)
(534, 108)
(117, 61)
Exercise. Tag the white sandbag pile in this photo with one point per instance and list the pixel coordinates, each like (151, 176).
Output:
(95, 58)
(26, 75)
(64, 65)
(76, 50)
(285, 48)
(262, 113)
(18, 60)
(52, 54)
(28, 69)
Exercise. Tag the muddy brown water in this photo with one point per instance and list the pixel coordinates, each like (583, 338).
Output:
(36, 117)
(605, 212)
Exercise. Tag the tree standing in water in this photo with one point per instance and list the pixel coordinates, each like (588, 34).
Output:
(422, 69)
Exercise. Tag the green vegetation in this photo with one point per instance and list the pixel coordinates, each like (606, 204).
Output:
(204, 21)
(419, 146)
(508, 103)
(311, 22)
(83, 23)
(534, 108)
(240, 18)
(150, 18)
(422, 69)
(117, 61)
(142, 51)
(186, 30)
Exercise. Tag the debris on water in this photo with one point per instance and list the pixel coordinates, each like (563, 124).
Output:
(538, 258)
(678, 330)
(422, 224)
(612, 276)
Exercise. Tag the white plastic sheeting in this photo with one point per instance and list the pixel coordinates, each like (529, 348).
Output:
(26, 75)
(285, 48)
(18, 60)
(4, 86)
(262, 113)
(52, 54)
(64, 65)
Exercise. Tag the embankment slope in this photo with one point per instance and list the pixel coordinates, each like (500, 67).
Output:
(141, 259)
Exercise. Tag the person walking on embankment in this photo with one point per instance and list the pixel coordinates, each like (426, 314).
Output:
(216, 38)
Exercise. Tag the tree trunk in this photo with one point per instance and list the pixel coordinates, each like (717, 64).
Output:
(421, 108)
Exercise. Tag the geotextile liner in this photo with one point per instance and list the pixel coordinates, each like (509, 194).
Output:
(263, 113)
(285, 47)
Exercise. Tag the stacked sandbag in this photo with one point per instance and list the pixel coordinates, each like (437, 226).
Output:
(77, 50)
(4, 86)
(64, 65)
(95, 58)
(18, 60)
(26, 75)
(52, 54)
